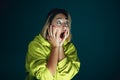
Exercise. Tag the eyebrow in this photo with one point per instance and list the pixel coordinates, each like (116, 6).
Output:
(62, 18)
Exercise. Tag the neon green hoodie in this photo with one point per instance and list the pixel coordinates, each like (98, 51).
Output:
(37, 56)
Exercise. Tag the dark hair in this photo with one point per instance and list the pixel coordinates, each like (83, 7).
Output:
(56, 11)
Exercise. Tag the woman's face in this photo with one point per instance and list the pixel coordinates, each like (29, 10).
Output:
(61, 22)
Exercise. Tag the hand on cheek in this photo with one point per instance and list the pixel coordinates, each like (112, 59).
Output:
(53, 36)
(67, 32)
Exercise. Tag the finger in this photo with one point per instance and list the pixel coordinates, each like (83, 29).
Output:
(65, 35)
(57, 34)
(67, 32)
(54, 31)
(48, 30)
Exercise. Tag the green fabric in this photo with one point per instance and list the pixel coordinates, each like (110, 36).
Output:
(37, 56)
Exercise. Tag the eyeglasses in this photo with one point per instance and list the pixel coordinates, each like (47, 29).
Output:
(60, 22)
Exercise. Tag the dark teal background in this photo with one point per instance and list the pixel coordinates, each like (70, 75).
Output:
(95, 30)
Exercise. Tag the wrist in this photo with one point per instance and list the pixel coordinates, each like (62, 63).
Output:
(53, 46)
(61, 44)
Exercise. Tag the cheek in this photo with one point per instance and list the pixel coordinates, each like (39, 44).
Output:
(58, 28)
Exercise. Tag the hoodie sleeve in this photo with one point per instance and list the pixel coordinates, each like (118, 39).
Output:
(36, 62)
(69, 66)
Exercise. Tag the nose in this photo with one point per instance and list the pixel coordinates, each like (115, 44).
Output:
(64, 27)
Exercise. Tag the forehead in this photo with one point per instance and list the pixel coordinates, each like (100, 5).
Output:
(60, 16)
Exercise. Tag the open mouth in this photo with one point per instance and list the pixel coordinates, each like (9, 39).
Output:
(62, 35)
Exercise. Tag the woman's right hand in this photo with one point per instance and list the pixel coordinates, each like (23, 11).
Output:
(53, 36)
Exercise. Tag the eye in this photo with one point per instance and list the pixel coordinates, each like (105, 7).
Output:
(66, 24)
(59, 23)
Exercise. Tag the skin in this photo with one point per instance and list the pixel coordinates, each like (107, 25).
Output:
(58, 26)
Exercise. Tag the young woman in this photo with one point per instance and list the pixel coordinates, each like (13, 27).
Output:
(52, 55)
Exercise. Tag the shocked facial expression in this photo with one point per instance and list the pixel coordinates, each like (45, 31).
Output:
(61, 22)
